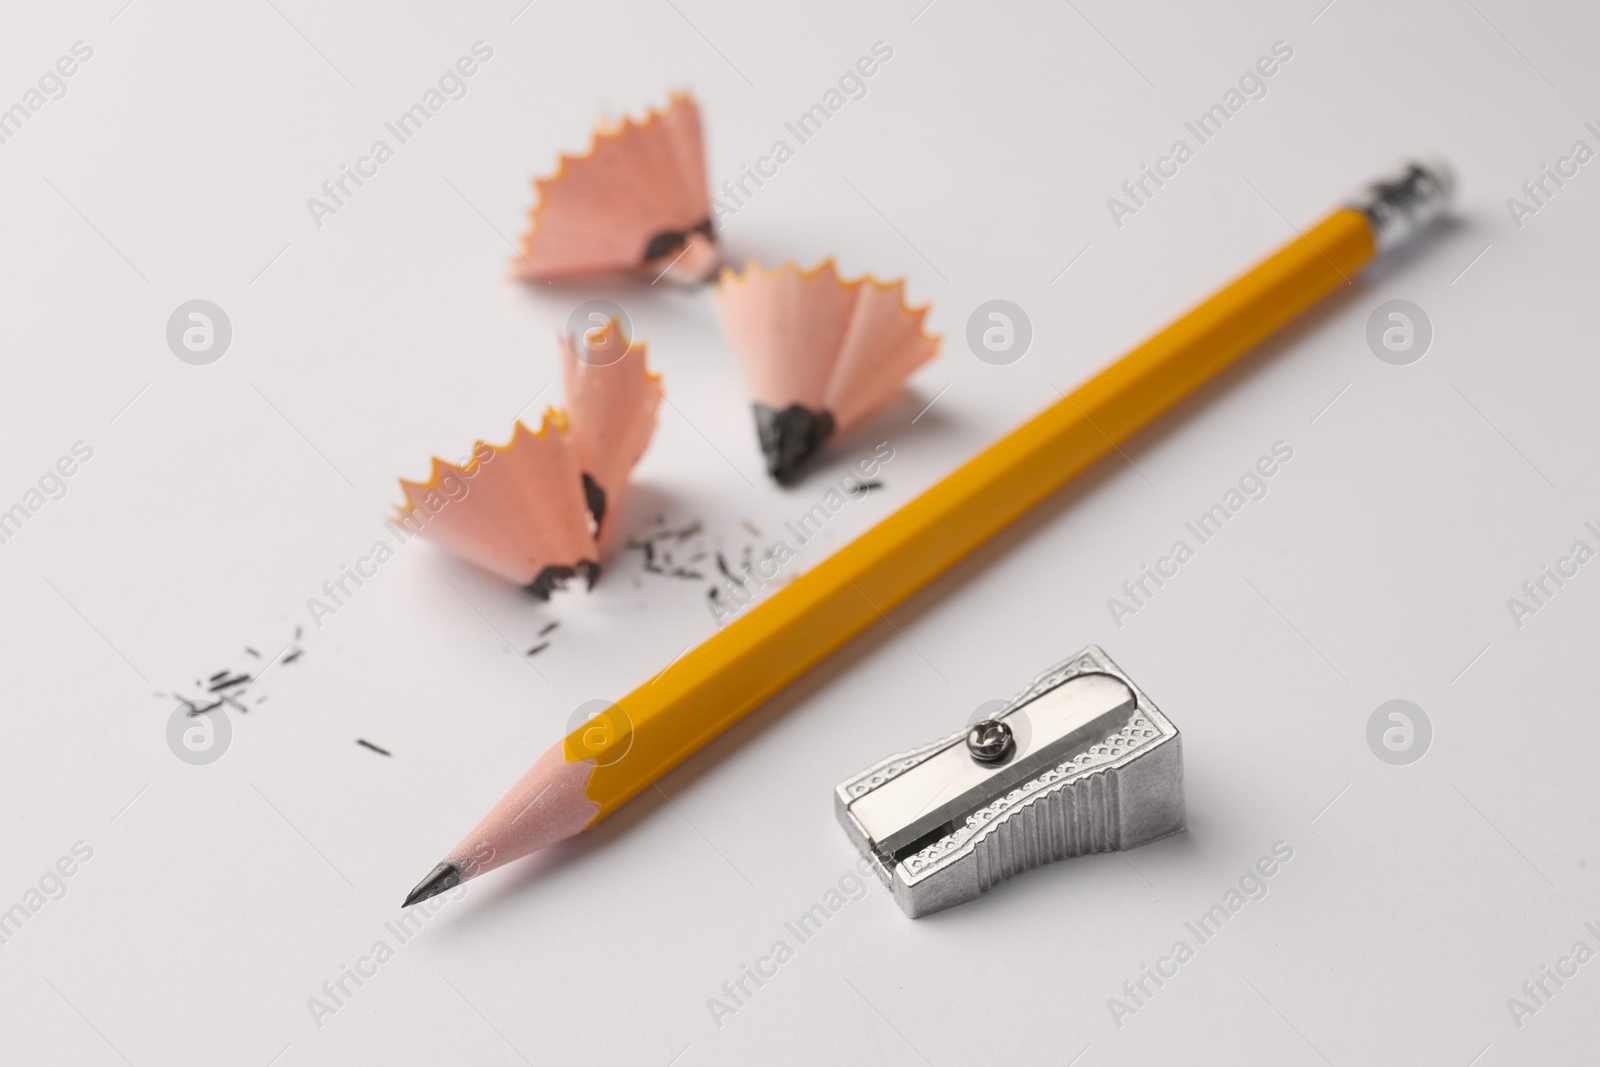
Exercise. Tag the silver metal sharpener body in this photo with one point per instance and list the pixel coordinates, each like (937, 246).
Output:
(1081, 761)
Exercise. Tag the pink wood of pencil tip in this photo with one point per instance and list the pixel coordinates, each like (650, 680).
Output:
(548, 804)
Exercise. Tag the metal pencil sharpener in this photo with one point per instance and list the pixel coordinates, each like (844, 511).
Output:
(1081, 761)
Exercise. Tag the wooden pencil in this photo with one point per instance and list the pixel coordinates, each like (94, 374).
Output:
(605, 762)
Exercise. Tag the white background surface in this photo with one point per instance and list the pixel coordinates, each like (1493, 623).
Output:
(220, 899)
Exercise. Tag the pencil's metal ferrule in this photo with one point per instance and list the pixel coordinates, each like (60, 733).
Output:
(1399, 205)
(1081, 761)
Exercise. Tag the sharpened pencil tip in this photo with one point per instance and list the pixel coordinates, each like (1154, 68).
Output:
(441, 878)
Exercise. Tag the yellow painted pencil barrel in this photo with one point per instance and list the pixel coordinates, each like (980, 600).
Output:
(717, 683)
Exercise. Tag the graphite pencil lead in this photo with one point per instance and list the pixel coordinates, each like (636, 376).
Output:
(444, 877)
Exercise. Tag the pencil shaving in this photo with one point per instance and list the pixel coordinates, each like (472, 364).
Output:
(516, 510)
(613, 408)
(540, 509)
(636, 201)
(821, 354)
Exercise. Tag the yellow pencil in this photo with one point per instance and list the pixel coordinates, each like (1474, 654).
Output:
(604, 763)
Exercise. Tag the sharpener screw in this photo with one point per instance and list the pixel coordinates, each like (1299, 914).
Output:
(990, 741)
